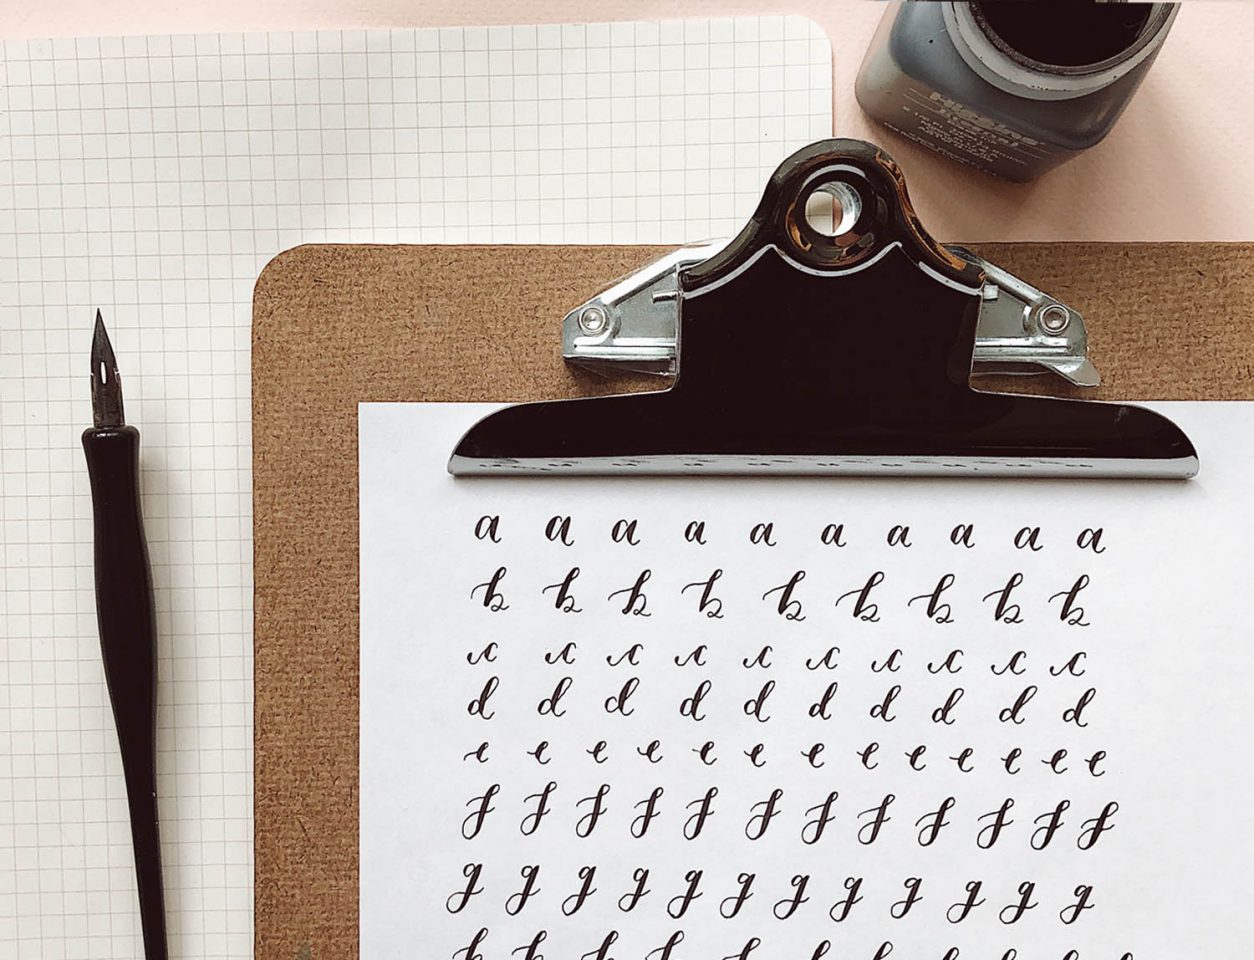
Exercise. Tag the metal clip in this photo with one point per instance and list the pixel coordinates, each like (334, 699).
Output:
(631, 326)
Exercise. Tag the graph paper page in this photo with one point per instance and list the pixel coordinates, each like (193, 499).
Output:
(154, 178)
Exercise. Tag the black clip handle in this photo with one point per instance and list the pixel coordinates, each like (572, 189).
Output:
(837, 347)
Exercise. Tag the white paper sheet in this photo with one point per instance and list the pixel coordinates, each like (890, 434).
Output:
(1108, 620)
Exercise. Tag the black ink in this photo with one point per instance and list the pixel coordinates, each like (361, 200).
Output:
(478, 707)
(691, 707)
(931, 824)
(1072, 613)
(828, 660)
(588, 822)
(787, 607)
(551, 705)
(471, 951)
(763, 659)
(1013, 666)
(819, 709)
(1055, 763)
(883, 709)
(619, 702)
(1044, 832)
(624, 530)
(863, 609)
(486, 655)
(756, 706)
(889, 664)
(833, 535)
(651, 752)
(566, 655)
(761, 534)
(1005, 611)
(572, 904)
(785, 908)
(949, 664)
(696, 657)
(602, 952)
(705, 809)
(1091, 830)
(558, 530)
(989, 834)
(867, 753)
(665, 951)
(456, 902)
(532, 949)
(1090, 539)
(1014, 912)
(1027, 538)
(732, 905)
(944, 713)
(709, 604)
(1013, 713)
(637, 602)
(960, 910)
(473, 822)
(936, 610)
(515, 902)
(899, 909)
(760, 822)
(627, 902)
(1072, 666)
(631, 656)
(1071, 914)
(531, 822)
(1076, 714)
(814, 829)
(869, 832)
(914, 758)
(640, 825)
(565, 600)
(493, 599)
(839, 911)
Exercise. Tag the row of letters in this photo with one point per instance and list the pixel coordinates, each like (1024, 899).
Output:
(789, 599)
(560, 529)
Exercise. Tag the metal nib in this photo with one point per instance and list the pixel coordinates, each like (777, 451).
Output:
(106, 385)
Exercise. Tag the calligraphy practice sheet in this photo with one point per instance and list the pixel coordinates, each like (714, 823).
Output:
(788, 719)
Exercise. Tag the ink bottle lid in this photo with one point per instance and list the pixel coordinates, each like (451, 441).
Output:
(1056, 51)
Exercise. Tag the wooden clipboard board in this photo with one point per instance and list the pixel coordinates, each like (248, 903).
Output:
(337, 325)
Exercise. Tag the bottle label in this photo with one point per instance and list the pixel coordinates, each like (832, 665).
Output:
(962, 133)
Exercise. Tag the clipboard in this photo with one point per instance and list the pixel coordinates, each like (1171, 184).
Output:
(338, 325)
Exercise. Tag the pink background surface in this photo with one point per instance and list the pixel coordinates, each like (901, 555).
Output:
(1175, 168)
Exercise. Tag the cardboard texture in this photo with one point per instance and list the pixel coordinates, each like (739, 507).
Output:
(336, 325)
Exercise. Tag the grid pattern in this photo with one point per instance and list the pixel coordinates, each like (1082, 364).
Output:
(154, 177)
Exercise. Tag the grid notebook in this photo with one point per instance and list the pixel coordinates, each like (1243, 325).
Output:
(154, 178)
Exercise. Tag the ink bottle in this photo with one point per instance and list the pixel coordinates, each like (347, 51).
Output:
(1013, 87)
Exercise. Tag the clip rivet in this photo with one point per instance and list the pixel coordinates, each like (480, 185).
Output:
(593, 320)
(1054, 318)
